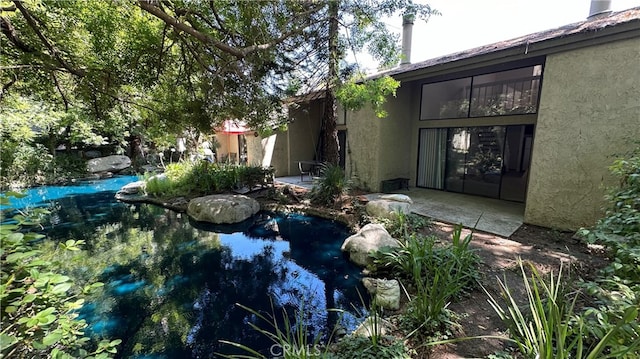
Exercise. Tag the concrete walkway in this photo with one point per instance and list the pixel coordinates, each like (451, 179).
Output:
(494, 216)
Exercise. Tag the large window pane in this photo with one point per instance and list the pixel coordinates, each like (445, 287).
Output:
(506, 93)
(447, 99)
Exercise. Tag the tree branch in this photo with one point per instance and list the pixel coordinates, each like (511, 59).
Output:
(10, 32)
(204, 38)
(56, 54)
(6, 86)
(64, 98)
(239, 53)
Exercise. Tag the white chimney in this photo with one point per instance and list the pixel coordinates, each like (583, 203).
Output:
(407, 29)
(599, 7)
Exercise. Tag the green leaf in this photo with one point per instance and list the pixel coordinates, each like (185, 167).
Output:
(58, 278)
(7, 340)
(61, 288)
(51, 338)
(10, 309)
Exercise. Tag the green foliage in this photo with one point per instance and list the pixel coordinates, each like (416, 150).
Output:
(435, 273)
(361, 348)
(402, 225)
(39, 304)
(331, 184)
(616, 289)
(188, 178)
(546, 325)
(355, 95)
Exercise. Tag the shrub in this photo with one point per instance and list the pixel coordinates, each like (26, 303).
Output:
(402, 224)
(616, 289)
(38, 304)
(331, 184)
(188, 178)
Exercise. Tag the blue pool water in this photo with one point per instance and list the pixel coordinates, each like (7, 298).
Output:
(172, 284)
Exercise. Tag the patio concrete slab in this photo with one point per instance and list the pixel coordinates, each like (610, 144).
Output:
(493, 216)
(295, 181)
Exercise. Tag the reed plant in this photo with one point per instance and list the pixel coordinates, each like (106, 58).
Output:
(436, 273)
(292, 339)
(547, 326)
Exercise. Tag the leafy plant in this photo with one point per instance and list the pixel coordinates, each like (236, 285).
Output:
(331, 184)
(401, 224)
(355, 95)
(547, 327)
(435, 273)
(38, 304)
(616, 289)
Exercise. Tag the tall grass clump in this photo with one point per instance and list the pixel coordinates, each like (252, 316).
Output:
(291, 339)
(547, 325)
(331, 184)
(433, 274)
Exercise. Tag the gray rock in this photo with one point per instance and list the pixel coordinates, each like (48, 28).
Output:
(385, 208)
(369, 239)
(113, 163)
(132, 188)
(385, 292)
(222, 208)
(373, 326)
(397, 197)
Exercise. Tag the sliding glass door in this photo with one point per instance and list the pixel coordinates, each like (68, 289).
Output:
(490, 161)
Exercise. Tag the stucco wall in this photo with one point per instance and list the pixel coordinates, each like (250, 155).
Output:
(385, 148)
(590, 103)
(299, 141)
(395, 152)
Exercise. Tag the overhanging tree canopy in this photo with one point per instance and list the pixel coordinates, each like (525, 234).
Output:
(187, 64)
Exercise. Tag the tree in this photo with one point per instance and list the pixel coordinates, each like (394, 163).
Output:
(188, 64)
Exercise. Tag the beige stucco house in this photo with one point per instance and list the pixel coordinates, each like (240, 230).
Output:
(536, 119)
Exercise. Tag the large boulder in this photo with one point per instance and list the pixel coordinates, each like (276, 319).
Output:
(112, 163)
(387, 205)
(222, 208)
(385, 292)
(369, 239)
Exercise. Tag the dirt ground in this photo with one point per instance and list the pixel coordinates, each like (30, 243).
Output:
(542, 247)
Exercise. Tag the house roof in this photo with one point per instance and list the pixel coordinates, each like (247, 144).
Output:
(602, 28)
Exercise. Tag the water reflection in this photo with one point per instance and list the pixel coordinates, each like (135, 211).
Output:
(171, 284)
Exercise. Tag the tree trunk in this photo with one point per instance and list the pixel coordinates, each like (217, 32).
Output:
(330, 145)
